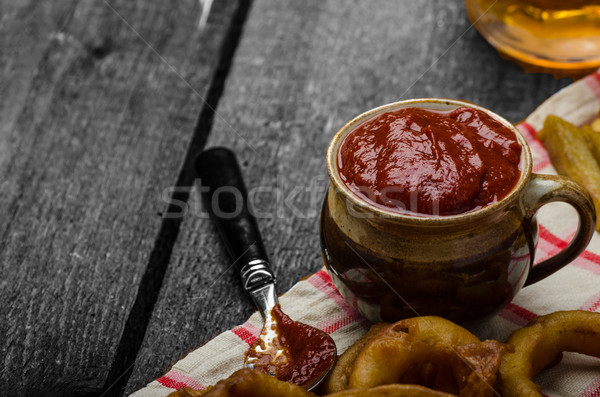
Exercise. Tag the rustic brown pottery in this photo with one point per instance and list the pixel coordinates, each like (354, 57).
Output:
(464, 267)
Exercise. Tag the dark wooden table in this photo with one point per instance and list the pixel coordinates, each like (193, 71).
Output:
(110, 272)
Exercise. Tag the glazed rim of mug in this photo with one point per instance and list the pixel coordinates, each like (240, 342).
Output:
(433, 104)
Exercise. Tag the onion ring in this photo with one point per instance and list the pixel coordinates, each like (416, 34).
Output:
(386, 358)
(426, 335)
(430, 340)
(541, 341)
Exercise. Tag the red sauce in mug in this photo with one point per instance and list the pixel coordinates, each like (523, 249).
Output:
(430, 162)
(304, 353)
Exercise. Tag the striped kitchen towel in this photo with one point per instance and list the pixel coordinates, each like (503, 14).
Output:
(316, 302)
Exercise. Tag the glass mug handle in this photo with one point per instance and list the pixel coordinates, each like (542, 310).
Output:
(544, 189)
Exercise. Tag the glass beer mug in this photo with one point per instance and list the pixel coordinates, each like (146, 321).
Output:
(561, 37)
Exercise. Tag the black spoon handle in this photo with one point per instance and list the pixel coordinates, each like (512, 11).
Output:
(226, 200)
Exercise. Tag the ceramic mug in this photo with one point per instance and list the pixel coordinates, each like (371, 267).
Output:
(464, 267)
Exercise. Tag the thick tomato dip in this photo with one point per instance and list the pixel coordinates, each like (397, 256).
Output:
(430, 162)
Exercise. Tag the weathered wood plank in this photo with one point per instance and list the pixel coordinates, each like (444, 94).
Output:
(99, 103)
(302, 70)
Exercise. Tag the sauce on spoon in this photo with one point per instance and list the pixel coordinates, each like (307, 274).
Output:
(291, 351)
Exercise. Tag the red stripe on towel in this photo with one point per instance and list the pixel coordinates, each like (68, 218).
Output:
(593, 389)
(540, 156)
(593, 82)
(322, 281)
(246, 332)
(517, 314)
(176, 380)
(592, 304)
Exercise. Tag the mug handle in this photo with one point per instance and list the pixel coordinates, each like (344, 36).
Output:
(543, 189)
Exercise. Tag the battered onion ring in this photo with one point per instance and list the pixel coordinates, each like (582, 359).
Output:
(541, 341)
(429, 340)
(429, 337)
(386, 358)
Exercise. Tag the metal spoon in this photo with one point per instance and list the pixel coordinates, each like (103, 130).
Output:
(225, 199)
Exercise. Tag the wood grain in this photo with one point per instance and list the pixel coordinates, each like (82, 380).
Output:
(302, 70)
(99, 104)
